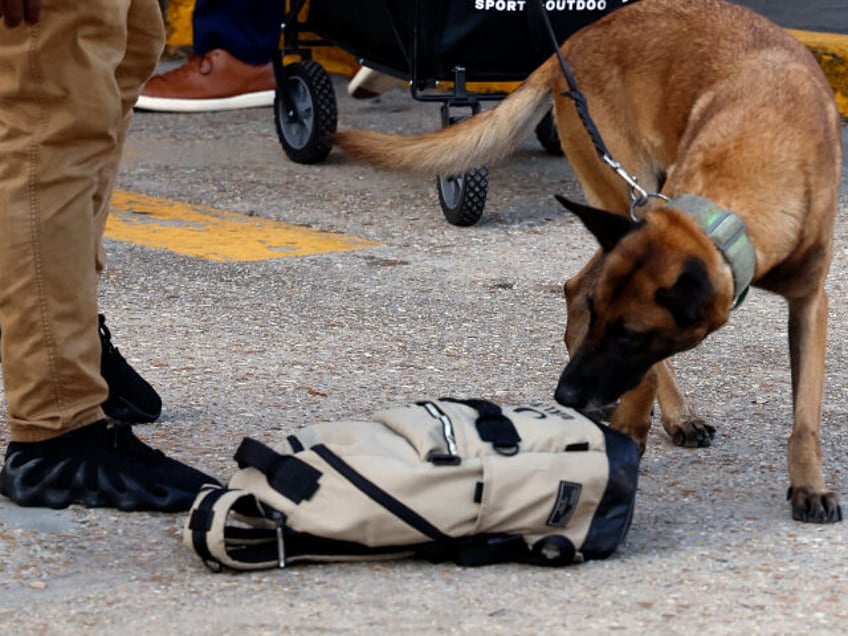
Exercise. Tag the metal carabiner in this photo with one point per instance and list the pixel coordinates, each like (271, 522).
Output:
(638, 195)
(643, 200)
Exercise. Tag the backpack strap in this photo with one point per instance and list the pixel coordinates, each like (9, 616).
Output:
(257, 544)
(492, 425)
(489, 549)
(287, 474)
(380, 496)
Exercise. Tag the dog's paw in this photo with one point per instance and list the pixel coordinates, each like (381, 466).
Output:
(692, 433)
(810, 506)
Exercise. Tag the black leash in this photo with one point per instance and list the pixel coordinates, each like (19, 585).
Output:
(638, 195)
(574, 93)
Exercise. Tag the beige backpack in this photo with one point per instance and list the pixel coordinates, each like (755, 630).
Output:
(459, 480)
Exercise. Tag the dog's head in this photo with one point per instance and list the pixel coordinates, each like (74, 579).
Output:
(657, 287)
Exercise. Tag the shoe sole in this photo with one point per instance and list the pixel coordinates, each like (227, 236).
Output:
(98, 466)
(175, 105)
(104, 495)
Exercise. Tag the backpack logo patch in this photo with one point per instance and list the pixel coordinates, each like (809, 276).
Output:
(565, 505)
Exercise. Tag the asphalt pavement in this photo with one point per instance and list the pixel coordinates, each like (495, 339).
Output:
(263, 348)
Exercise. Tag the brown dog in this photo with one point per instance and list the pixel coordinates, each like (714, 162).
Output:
(720, 110)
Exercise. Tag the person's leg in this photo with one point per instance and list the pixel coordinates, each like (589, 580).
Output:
(68, 84)
(60, 132)
(131, 398)
(248, 29)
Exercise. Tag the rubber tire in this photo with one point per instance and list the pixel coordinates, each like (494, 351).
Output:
(307, 140)
(463, 198)
(547, 135)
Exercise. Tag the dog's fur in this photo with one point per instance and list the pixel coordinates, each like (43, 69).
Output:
(700, 97)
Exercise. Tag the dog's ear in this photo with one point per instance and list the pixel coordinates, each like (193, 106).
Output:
(687, 299)
(608, 228)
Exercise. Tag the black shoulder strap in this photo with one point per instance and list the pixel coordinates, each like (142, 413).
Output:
(380, 496)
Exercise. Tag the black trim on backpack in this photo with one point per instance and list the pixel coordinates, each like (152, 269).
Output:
(305, 547)
(290, 476)
(380, 496)
(478, 492)
(295, 443)
(615, 511)
(477, 550)
(490, 549)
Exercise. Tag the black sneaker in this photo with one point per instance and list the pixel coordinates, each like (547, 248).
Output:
(131, 398)
(101, 465)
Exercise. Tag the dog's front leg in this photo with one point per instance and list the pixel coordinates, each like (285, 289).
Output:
(678, 419)
(632, 415)
(808, 495)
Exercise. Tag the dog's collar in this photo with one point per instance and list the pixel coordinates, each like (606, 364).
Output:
(728, 233)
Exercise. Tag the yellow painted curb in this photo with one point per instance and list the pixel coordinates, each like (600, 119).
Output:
(831, 50)
(216, 235)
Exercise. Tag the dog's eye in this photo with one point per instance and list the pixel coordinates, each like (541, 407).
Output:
(628, 339)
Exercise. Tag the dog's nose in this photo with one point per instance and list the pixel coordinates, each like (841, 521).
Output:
(570, 396)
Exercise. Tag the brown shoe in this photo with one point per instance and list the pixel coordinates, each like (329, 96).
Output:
(214, 81)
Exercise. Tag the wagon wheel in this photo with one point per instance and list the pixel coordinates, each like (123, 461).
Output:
(463, 197)
(547, 135)
(304, 129)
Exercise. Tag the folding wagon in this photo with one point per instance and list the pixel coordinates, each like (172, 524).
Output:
(457, 52)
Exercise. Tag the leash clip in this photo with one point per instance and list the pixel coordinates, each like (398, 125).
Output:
(643, 200)
(638, 195)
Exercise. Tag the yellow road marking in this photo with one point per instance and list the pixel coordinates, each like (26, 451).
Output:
(213, 234)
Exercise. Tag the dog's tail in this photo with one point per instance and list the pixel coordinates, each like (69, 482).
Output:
(477, 141)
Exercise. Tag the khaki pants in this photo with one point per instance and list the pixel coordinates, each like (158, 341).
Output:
(67, 88)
